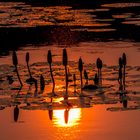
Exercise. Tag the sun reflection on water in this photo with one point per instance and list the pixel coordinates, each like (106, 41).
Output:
(67, 118)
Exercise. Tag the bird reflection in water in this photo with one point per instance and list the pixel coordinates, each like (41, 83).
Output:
(16, 113)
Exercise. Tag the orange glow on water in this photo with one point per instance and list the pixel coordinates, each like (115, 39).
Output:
(67, 118)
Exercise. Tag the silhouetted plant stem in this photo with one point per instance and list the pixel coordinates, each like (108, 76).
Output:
(49, 58)
(66, 74)
(29, 70)
(65, 63)
(74, 79)
(15, 63)
(42, 83)
(99, 65)
(86, 77)
(120, 76)
(18, 76)
(80, 67)
(96, 80)
(124, 61)
(36, 87)
(120, 72)
(100, 77)
(27, 62)
(51, 72)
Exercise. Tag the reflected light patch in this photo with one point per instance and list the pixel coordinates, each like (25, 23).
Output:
(73, 116)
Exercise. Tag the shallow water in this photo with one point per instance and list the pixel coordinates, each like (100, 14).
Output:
(105, 31)
(99, 124)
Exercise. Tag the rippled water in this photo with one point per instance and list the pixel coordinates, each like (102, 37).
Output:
(105, 31)
(23, 15)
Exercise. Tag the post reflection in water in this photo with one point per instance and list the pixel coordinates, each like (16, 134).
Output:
(67, 117)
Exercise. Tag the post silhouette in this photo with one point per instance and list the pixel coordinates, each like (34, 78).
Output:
(15, 63)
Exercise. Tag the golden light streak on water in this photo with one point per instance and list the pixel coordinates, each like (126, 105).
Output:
(61, 116)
